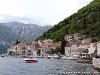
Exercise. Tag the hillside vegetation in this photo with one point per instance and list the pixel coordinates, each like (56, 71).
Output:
(85, 21)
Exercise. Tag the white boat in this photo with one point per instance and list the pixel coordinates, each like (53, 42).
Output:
(72, 58)
(68, 58)
(52, 56)
(63, 57)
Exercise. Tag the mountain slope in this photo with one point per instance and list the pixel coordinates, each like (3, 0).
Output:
(85, 21)
(12, 31)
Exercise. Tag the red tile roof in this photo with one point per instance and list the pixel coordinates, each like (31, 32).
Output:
(26, 44)
(72, 43)
(86, 43)
(51, 44)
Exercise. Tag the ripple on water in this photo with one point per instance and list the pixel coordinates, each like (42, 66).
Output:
(17, 66)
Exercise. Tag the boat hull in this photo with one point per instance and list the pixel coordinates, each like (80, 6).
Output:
(49, 58)
(52, 57)
(84, 60)
(31, 60)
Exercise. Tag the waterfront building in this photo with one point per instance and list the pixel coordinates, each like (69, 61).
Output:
(23, 49)
(47, 47)
(73, 49)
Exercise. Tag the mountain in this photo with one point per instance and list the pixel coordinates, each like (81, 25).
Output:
(12, 31)
(84, 21)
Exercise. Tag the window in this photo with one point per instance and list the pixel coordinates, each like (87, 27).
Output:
(83, 54)
(23, 48)
(16, 48)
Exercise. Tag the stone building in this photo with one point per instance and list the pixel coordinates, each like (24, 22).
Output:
(23, 49)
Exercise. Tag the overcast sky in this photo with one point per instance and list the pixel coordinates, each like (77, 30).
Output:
(39, 11)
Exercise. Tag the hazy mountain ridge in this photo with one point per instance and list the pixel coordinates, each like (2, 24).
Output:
(12, 31)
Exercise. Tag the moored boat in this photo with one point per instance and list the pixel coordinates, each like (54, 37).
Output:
(31, 60)
(71, 58)
(64, 57)
(84, 58)
(52, 56)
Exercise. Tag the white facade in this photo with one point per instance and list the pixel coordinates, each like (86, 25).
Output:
(67, 51)
(44, 51)
(84, 46)
(92, 48)
(98, 48)
(72, 37)
(72, 51)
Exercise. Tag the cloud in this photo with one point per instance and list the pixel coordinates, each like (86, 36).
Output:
(84, 3)
(7, 7)
(24, 19)
(39, 11)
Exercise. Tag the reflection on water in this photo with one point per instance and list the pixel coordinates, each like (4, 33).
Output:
(17, 66)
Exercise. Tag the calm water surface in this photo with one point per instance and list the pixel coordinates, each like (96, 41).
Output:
(17, 66)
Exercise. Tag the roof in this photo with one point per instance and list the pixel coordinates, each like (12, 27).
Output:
(49, 44)
(26, 44)
(11, 47)
(87, 40)
(73, 43)
(33, 43)
(56, 44)
(86, 43)
(47, 48)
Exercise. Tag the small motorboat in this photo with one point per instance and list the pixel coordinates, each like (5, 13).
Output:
(49, 57)
(52, 56)
(68, 58)
(31, 60)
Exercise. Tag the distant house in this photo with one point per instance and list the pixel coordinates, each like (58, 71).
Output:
(23, 49)
(73, 37)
